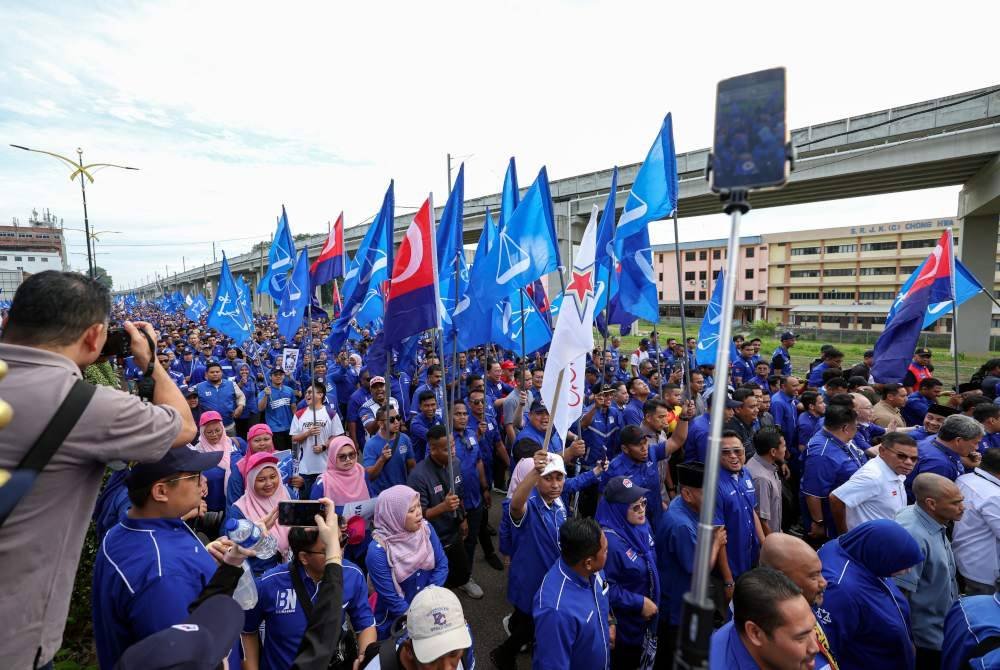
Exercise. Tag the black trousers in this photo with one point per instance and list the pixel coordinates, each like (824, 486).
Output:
(458, 566)
(928, 659)
(475, 519)
(522, 632)
(626, 657)
(666, 645)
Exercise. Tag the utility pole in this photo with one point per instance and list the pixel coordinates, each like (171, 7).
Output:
(213, 252)
(449, 174)
(183, 264)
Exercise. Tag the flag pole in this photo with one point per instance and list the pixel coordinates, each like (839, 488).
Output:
(954, 304)
(520, 293)
(439, 333)
(680, 302)
(312, 363)
(552, 412)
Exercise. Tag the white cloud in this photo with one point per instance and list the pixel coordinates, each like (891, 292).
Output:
(232, 109)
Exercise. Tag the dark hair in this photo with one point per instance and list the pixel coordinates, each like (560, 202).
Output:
(974, 401)
(317, 385)
(991, 460)
(838, 416)
(893, 438)
(845, 399)
(832, 353)
(758, 596)
(474, 378)
(631, 435)
(55, 308)
(930, 382)
(670, 386)
(435, 369)
(730, 433)
(892, 388)
(855, 381)
(741, 394)
(986, 410)
(524, 448)
(425, 395)
(835, 375)
(579, 539)
(211, 365)
(650, 406)
(436, 432)
(300, 539)
(766, 439)
(632, 381)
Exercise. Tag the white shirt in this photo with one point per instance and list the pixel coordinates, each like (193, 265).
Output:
(976, 539)
(873, 492)
(311, 463)
(638, 356)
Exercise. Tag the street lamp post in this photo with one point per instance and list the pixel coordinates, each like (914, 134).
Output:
(83, 171)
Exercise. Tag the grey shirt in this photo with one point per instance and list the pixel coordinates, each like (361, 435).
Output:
(930, 585)
(430, 481)
(767, 485)
(42, 539)
(513, 410)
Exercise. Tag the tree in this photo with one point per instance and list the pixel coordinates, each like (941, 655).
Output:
(101, 275)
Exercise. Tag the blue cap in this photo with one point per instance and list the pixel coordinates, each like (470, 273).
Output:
(179, 459)
(623, 490)
(200, 642)
(538, 406)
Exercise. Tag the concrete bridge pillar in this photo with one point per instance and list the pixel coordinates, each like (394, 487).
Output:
(979, 211)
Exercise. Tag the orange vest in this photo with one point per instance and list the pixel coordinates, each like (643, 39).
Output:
(919, 373)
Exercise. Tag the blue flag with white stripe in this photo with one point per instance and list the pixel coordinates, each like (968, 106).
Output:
(295, 299)
(280, 259)
(226, 315)
(966, 287)
(472, 319)
(708, 334)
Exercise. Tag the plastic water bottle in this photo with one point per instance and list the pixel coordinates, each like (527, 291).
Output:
(246, 590)
(249, 536)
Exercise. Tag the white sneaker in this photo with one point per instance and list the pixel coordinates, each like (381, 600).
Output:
(472, 589)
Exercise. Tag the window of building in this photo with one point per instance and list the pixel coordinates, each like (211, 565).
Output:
(876, 295)
(750, 252)
(44, 259)
(715, 274)
(659, 257)
(838, 295)
(701, 295)
(748, 273)
(870, 272)
(17, 258)
(703, 275)
(805, 251)
(748, 295)
(3, 258)
(804, 273)
(879, 246)
(804, 295)
(661, 276)
(841, 248)
(828, 318)
(31, 259)
(907, 269)
(716, 254)
(689, 276)
(689, 295)
(661, 295)
(689, 255)
(702, 255)
(917, 244)
(838, 272)
(996, 323)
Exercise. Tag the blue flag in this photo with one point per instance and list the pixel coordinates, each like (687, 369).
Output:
(197, 307)
(966, 287)
(292, 309)
(453, 271)
(604, 251)
(708, 334)
(510, 198)
(472, 320)
(654, 191)
(525, 250)
(515, 314)
(370, 267)
(226, 315)
(279, 260)
(634, 291)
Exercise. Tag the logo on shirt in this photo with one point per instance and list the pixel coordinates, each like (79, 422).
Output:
(186, 627)
(631, 555)
(438, 489)
(285, 601)
(822, 615)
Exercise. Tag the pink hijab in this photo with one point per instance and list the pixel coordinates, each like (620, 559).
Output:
(255, 507)
(406, 552)
(343, 486)
(225, 445)
(521, 470)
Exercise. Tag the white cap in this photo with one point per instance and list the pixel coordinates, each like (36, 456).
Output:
(555, 464)
(436, 624)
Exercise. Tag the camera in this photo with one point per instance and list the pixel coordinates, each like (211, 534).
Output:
(119, 343)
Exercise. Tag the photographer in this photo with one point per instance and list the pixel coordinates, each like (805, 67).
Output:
(57, 325)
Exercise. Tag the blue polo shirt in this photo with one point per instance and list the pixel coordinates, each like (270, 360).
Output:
(221, 398)
(601, 436)
(496, 391)
(571, 621)
(736, 501)
(419, 425)
(394, 472)
(742, 370)
(970, 620)
(438, 392)
(932, 456)
(675, 551)
(278, 410)
(535, 540)
(390, 605)
(696, 442)
(146, 573)
(632, 414)
(815, 378)
(489, 440)
(828, 464)
(285, 621)
(727, 651)
(915, 409)
(808, 425)
(781, 362)
(531, 433)
(345, 379)
(469, 455)
(786, 417)
(646, 475)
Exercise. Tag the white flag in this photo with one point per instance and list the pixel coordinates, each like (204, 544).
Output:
(573, 338)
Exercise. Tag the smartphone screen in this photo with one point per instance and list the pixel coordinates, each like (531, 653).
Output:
(750, 132)
(299, 512)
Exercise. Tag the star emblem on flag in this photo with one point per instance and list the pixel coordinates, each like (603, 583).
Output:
(581, 287)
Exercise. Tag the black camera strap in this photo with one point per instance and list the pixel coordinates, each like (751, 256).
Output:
(54, 435)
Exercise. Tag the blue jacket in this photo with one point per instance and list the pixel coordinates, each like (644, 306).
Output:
(535, 541)
(786, 417)
(601, 436)
(285, 622)
(629, 577)
(828, 464)
(696, 442)
(781, 362)
(815, 378)
(932, 456)
(969, 621)
(419, 425)
(571, 621)
(390, 605)
(146, 573)
(646, 475)
(727, 651)
(675, 550)
(865, 615)
(221, 398)
(736, 500)
(345, 379)
(915, 409)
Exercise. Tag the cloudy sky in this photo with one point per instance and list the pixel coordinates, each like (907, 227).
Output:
(231, 109)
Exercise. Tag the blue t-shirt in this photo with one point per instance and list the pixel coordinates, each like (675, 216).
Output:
(469, 456)
(278, 410)
(395, 470)
(736, 501)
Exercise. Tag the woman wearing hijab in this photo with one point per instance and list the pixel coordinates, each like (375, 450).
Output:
(405, 557)
(213, 438)
(343, 482)
(631, 573)
(259, 440)
(866, 616)
(259, 502)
